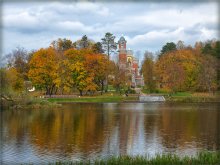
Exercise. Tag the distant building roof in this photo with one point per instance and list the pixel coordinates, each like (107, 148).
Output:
(122, 39)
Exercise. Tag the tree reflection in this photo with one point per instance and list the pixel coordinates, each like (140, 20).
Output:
(114, 129)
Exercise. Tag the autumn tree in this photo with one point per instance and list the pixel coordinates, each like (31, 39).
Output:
(3, 81)
(187, 70)
(81, 72)
(180, 45)
(208, 74)
(15, 80)
(18, 59)
(11, 82)
(91, 75)
(198, 46)
(120, 78)
(148, 71)
(67, 67)
(212, 48)
(15, 75)
(178, 71)
(170, 75)
(62, 44)
(5, 84)
(80, 77)
(64, 80)
(43, 70)
(98, 64)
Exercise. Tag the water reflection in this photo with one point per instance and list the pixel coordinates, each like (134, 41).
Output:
(88, 131)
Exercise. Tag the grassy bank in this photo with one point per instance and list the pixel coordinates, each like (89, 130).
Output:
(87, 99)
(97, 99)
(187, 96)
(113, 97)
(206, 158)
(134, 98)
(26, 102)
(193, 97)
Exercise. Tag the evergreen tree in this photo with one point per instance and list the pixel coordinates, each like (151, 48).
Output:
(170, 46)
(84, 42)
(97, 48)
(109, 43)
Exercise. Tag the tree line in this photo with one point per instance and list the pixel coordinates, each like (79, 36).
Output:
(63, 67)
(183, 68)
(66, 67)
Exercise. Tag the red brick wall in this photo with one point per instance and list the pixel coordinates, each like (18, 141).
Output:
(122, 58)
(124, 46)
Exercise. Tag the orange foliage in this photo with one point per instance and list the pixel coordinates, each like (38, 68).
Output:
(43, 69)
(181, 70)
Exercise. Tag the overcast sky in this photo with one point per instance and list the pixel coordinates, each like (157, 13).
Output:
(145, 25)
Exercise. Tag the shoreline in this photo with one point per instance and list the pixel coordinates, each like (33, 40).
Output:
(204, 157)
(37, 103)
(106, 100)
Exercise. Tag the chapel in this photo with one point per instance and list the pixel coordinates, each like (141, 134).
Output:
(129, 63)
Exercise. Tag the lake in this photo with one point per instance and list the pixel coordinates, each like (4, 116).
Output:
(79, 131)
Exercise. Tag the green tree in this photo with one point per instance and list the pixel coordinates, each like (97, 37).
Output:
(84, 42)
(109, 44)
(97, 48)
(217, 49)
(207, 49)
(217, 54)
(170, 46)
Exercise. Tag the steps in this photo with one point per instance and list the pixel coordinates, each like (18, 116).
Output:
(150, 98)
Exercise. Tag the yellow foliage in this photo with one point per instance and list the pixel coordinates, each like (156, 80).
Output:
(15, 80)
(44, 68)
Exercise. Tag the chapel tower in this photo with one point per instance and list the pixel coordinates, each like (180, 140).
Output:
(122, 52)
(129, 64)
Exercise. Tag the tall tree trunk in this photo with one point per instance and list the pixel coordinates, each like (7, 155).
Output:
(106, 89)
(51, 89)
(102, 88)
(47, 91)
(56, 89)
(80, 91)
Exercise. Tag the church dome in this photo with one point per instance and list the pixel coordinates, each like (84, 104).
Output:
(122, 39)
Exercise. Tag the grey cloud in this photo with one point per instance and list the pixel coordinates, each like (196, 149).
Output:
(146, 25)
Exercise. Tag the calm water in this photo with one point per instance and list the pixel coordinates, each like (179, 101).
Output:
(89, 131)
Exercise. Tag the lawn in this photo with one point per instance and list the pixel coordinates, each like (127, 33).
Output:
(107, 97)
(181, 94)
(88, 99)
